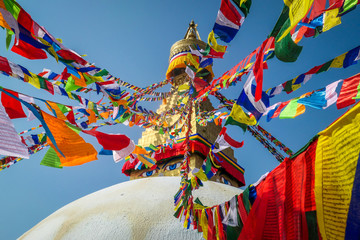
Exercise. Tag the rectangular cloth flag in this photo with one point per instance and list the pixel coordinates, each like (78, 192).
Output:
(225, 141)
(123, 153)
(228, 21)
(111, 88)
(74, 148)
(349, 92)
(12, 106)
(247, 99)
(10, 142)
(110, 141)
(240, 118)
(293, 109)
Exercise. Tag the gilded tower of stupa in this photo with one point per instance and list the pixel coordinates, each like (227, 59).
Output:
(208, 133)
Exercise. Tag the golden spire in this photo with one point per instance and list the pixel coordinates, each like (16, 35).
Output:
(192, 32)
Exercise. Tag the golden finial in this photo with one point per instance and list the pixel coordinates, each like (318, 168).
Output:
(192, 32)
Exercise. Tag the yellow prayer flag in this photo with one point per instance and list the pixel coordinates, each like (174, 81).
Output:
(213, 43)
(238, 115)
(204, 224)
(74, 148)
(34, 80)
(192, 60)
(337, 155)
(338, 62)
(331, 19)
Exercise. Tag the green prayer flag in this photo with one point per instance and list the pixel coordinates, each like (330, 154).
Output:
(280, 22)
(348, 6)
(244, 6)
(9, 34)
(70, 85)
(325, 67)
(74, 128)
(51, 159)
(286, 50)
(101, 73)
(231, 121)
(63, 108)
(42, 83)
(290, 111)
(246, 199)
(208, 165)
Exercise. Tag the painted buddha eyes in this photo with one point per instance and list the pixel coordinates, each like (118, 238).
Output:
(173, 166)
(148, 173)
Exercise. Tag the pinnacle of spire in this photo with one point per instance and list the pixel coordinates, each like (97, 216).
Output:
(192, 32)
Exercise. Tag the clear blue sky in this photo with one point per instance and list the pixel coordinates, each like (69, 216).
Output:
(132, 40)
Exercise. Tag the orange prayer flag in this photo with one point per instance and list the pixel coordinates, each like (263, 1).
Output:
(92, 117)
(105, 115)
(74, 148)
(53, 106)
(139, 150)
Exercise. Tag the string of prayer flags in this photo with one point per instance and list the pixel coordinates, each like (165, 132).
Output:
(342, 61)
(10, 142)
(228, 21)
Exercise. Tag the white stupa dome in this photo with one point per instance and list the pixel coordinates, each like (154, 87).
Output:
(138, 209)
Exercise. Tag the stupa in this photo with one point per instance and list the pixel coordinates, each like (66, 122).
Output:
(142, 208)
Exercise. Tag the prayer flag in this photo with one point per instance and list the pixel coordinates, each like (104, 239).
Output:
(247, 99)
(51, 159)
(297, 11)
(225, 141)
(110, 88)
(110, 141)
(72, 146)
(121, 154)
(349, 92)
(228, 21)
(293, 109)
(240, 118)
(10, 141)
(12, 106)
(244, 6)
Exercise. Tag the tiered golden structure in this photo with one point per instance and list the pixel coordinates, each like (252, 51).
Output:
(210, 132)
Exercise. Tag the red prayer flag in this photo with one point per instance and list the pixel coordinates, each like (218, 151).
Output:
(348, 91)
(25, 20)
(12, 106)
(258, 69)
(110, 141)
(28, 51)
(4, 65)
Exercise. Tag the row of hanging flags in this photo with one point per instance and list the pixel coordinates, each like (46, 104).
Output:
(298, 18)
(291, 26)
(78, 73)
(311, 195)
